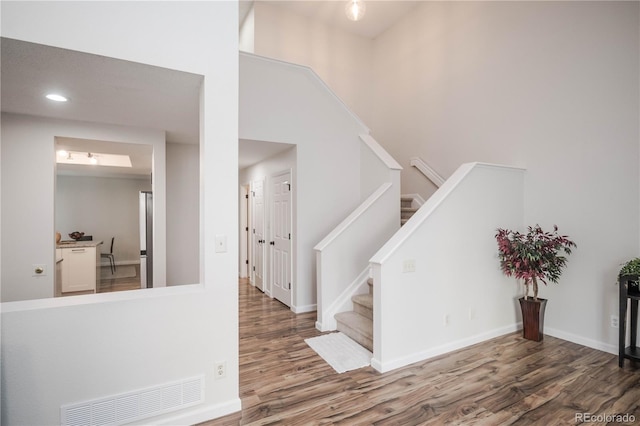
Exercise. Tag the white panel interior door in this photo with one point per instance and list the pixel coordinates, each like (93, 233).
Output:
(280, 243)
(258, 243)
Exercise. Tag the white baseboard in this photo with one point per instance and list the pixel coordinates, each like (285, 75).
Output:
(303, 309)
(574, 338)
(385, 366)
(200, 414)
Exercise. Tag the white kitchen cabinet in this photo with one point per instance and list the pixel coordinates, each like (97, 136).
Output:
(80, 268)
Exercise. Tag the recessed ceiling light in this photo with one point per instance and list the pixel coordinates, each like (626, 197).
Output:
(56, 97)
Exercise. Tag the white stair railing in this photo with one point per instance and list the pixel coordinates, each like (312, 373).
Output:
(427, 170)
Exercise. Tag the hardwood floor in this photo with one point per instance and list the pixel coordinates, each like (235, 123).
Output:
(108, 285)
(507, 380)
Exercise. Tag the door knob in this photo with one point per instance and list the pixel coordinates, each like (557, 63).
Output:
(273, 243)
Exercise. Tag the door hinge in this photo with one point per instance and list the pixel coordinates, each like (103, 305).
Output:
(254, 269)
(246, 228)
(246, 261)
(289, 185)
(254, 230)
(246, 196)
(289, 286)
(289, 235)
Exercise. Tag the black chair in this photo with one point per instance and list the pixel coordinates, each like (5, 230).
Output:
(112, 260)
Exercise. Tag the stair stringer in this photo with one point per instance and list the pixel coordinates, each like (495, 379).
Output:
(343, 302)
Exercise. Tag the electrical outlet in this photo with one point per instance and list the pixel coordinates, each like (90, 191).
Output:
(614, 321)
(221, 370)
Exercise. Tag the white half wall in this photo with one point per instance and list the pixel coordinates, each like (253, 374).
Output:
(457, 294)
(67, 350)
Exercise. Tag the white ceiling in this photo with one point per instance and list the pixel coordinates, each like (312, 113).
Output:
(100, 89)
(379, 15)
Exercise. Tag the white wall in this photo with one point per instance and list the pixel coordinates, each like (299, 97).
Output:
(28, 146)
(551, 86)
(183, 210)
(341, 59)
(103, 208)
(328, 151)
(65, 350)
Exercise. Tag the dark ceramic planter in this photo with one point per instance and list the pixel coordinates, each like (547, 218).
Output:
(533, 318)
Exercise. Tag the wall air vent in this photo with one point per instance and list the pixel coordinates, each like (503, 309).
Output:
(135, 405)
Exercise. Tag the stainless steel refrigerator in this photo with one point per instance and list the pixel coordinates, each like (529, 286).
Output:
(146, 239)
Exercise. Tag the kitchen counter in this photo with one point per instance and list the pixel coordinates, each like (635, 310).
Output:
(80, 266)
(77, 244)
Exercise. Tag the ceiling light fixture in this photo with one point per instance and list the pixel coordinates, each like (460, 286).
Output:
(56, 97)
(92, 158)
(355, 9)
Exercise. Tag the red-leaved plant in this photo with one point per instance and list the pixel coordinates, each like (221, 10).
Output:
(536, 255)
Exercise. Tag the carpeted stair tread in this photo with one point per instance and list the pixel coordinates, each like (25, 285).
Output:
(407, 212)
(357, 327)
(364, 300)
(363, 305)
(406, 201)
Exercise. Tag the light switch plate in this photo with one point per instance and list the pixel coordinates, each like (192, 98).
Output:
(221, 243)
(409, 265)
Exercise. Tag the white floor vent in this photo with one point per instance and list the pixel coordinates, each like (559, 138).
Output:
(136, 405)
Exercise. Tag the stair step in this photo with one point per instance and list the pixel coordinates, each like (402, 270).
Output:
(363, 305)
(406, 202)
(357, 327)
(407, 212)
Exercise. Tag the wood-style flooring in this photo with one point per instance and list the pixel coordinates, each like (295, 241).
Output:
(504, 381)
(108, 285)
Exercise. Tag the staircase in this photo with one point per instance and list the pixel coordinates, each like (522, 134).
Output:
(358, 324)
(406, 209)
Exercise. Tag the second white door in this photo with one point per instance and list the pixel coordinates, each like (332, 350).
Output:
(280, 244)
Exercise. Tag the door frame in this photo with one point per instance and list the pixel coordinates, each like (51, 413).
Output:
(244, 258)
(252, 235)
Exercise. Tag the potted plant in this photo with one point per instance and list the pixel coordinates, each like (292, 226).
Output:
(631, 270)
(532, 256)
